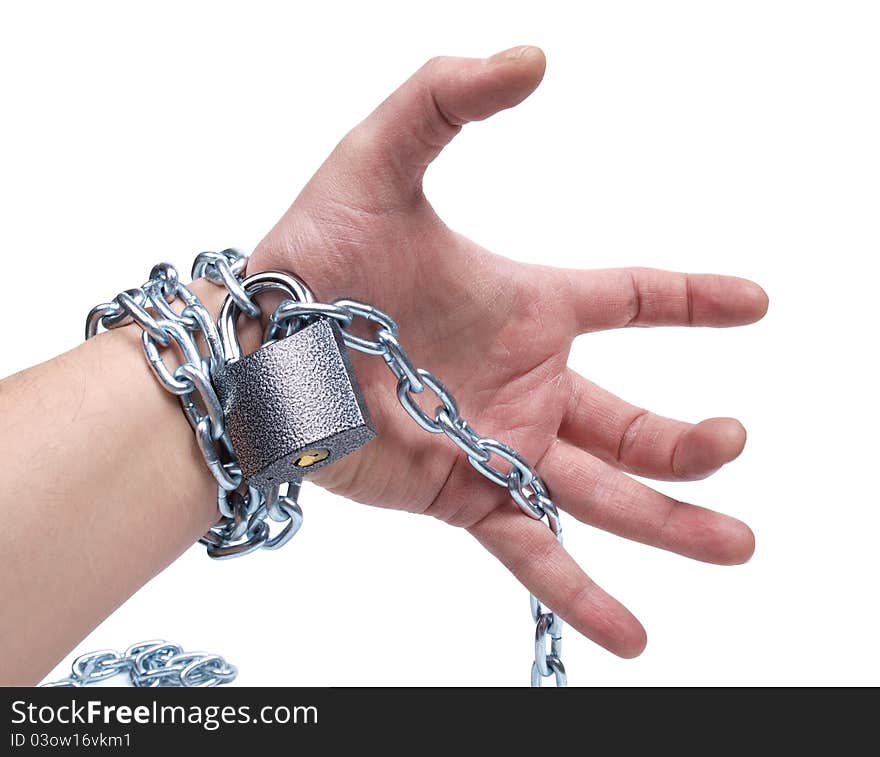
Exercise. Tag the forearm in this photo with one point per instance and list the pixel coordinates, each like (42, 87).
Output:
(103, 486)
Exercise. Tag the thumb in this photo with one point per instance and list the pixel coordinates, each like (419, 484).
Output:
(390, 150)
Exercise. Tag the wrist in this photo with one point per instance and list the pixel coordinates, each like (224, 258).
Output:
(145, 434)
(150, 417)
(254, 417)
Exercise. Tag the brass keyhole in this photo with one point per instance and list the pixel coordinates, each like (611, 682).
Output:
(310, 457)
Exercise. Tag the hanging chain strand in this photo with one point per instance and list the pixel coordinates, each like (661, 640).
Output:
(150, 664)
(243, 526)
(525, 486)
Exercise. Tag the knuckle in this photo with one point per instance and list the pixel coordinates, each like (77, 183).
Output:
(359, 140)
(631, 434)
(434, 64)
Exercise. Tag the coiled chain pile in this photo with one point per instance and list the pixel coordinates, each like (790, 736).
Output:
(150, 664)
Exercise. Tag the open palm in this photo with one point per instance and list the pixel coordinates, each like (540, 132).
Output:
(498, 334)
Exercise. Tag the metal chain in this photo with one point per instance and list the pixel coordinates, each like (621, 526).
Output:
(243, 526)
(149, 664)
(522, 482)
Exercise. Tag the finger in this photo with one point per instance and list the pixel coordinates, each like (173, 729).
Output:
(532, 553)
(598, 494)
(619, 297)
(392, 147)
(644, 443)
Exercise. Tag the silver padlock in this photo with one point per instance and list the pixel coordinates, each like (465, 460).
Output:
(294, 405)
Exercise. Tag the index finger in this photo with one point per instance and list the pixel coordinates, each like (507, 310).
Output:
(620, 297)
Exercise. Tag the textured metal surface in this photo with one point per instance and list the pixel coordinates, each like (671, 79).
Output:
(290, 396)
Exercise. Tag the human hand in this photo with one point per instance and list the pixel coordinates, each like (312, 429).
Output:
(498, 334)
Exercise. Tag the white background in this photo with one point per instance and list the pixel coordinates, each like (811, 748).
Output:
(729, 137)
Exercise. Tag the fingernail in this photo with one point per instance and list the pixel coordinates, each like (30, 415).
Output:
(515, 53)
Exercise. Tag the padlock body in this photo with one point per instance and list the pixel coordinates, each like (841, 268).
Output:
(297, 396)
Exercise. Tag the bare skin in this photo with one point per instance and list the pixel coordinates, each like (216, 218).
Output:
(498, 336)
(498, 333)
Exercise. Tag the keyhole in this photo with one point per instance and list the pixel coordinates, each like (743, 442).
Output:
(310, 457)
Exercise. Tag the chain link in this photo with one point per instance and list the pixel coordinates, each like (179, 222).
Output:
(243, 526)
(150, 664)
(520, 479)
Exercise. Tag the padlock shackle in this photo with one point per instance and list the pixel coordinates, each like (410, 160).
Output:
(279, 281)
